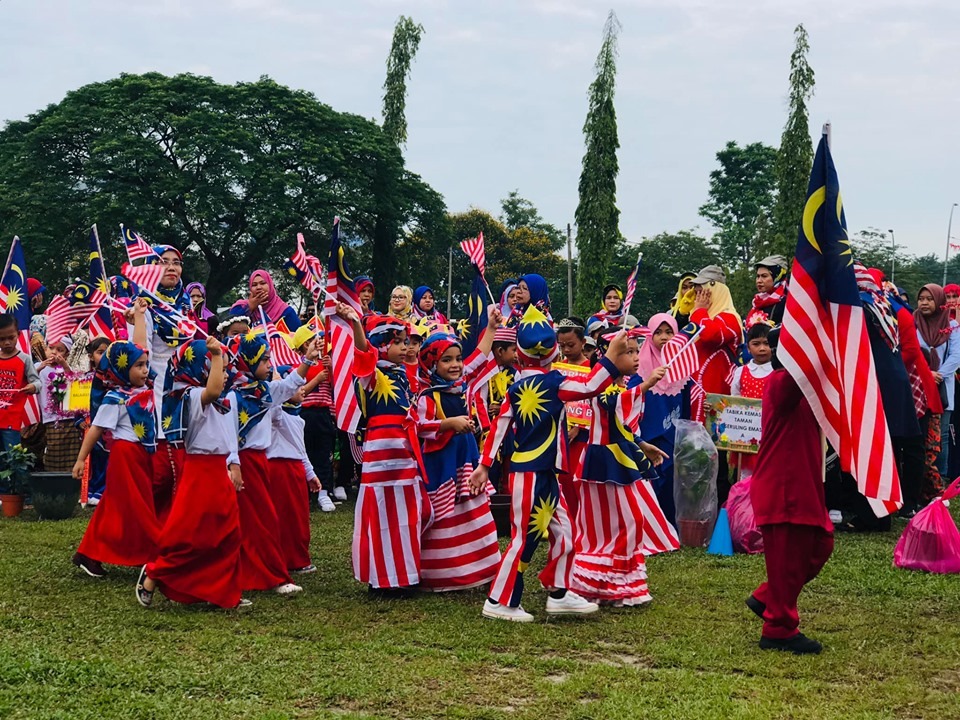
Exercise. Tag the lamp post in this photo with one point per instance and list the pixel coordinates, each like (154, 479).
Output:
(946, 253)
(893, 256)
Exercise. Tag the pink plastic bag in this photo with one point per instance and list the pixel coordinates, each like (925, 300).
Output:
(931, 541)
(743, 525)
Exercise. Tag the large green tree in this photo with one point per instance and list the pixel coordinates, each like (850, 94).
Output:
(406, 41)
(227, 173)
(742, 192)
(597, 216)
(795, 156)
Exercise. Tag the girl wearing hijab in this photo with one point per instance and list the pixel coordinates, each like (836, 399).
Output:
(771, 298)
(124, 529)
(663, 403)
(682, 303)
(936, 331)
(952, 291)
(611, 303)
(508, 297)
(198, 301)
(424, 305)
(263, 294)
(721, 333)
(401, 303)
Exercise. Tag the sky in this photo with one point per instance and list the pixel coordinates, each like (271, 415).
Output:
(498, 92)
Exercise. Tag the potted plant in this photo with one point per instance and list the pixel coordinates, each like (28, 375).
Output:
(15, 465)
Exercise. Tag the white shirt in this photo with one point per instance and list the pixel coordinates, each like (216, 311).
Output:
(117, 419)
(210, 432)
(260, 436)
(758, 371)
(160, 354)
(288, 441)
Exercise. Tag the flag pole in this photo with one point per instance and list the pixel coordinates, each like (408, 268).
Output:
(6, 268)
(266, 334)
(450, 285)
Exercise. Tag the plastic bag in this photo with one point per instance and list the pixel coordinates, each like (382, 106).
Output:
(931, 541)
(743, 525)
(695, 464)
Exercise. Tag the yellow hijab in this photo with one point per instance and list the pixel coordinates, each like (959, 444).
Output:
(683, 303)
(721, 301)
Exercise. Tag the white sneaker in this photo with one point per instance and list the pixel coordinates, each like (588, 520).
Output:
(287, 589)
(244, 603)
(325, 503)
(497, 611)
(305, 570)
(570, 604)
(93, 502)
(339, 493)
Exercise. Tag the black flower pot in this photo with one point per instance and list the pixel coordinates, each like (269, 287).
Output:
(56, 495)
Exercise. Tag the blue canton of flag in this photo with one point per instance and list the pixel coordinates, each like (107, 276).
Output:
(15, 301)
(476, 319)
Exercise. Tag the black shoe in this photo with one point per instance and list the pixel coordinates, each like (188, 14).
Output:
(144, 596)
(90, 566)
(799, 644)
(756, 606)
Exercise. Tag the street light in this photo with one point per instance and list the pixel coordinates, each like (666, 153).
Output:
(893, 257)
(946, 253)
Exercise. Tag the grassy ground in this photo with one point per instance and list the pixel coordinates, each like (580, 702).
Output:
(74, 647)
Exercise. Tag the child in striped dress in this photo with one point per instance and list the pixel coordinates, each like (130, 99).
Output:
(392, 505)
(534, 407)
(459, 550)
(199, 547)
(620, 519)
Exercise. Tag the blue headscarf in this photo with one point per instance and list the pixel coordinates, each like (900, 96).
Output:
(114, 372)
(539, 292)
(176, 298)
(188, 367)
(248, 352)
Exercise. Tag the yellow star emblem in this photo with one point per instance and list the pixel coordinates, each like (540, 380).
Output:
(122, 361)
(139, 429)
(167, 421)
(531, 401)
(14, 299)
(385, 389)
(188, 353)
(244, 417)
(541, 516)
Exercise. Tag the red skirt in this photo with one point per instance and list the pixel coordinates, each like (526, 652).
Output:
(124, 529)
(288, 486)
(167, 468)
(199, 556)
(261, 560)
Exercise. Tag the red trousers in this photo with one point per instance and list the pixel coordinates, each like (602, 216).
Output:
(288, 488)
(794, 555)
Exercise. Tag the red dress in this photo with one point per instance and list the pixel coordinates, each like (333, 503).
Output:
(751, 386)
(716, 351)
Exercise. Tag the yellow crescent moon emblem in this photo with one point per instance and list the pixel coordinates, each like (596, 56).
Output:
(94, 255)
(528, 455)
(816, 199)
(19, 271)
(622, 458)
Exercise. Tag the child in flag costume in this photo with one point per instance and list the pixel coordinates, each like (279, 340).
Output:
(199, 547)
(505, 355)
(124, 528)
(392, 505)
(459, 549)
(262, 566)
(620, 520)
(534, 407)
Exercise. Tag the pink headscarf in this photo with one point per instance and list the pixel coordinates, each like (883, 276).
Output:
(274, 307)
(651, 359)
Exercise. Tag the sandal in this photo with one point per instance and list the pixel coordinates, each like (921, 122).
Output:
(144, 596)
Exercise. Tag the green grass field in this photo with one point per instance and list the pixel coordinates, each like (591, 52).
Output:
(74, 647)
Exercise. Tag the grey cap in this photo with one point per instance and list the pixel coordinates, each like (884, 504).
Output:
(772, 261)
(709, 274)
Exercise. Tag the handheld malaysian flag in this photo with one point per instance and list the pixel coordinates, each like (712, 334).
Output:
(631, 287)
(306, 269)
(825, 347)
(474, 249)
(15, 300)
(137, 247)
(340, 288)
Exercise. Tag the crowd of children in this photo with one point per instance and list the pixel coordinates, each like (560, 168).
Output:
(202, 455)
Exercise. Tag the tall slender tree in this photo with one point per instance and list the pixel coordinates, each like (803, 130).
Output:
(388, 228)
(406, 42)
(795, 157)
(597, 216)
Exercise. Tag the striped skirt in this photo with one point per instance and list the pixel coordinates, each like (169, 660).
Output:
(459, 550)
(611, 534)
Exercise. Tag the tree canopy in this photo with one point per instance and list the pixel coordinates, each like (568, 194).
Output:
(597, 215)
(742, 192)
(227, 173)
